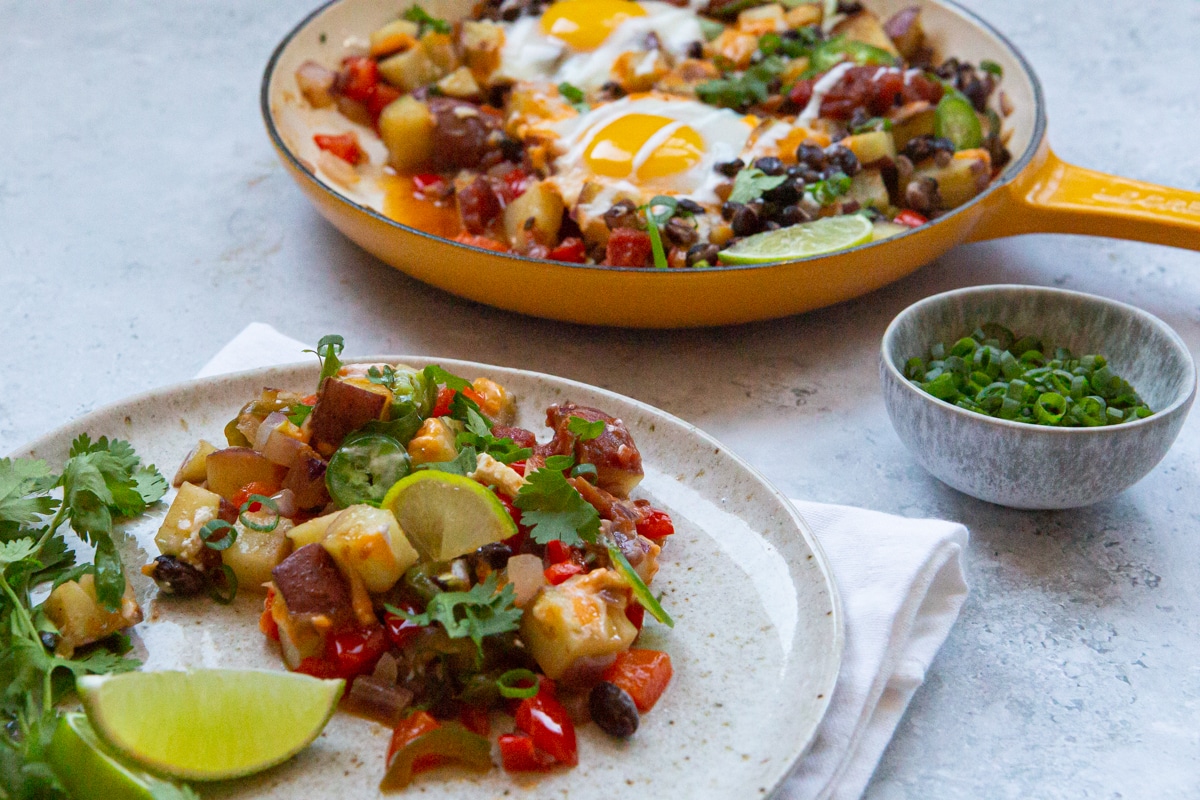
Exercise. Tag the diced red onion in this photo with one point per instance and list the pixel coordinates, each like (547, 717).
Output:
(526, 574)
(386, 669)
(281, 448)
(268, 426)
(316, 83)
(285, 501)
(382, 702)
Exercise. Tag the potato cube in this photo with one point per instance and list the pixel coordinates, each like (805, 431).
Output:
(406, 127)
(871, 147)
(397, 35)
(868, 188)
(189, 511)
(311, 532)
(440, 49)
(803, 15)
(536, 214)
(580, 618)
(410, 70)
(496, 402)
(481, 44)
(235, 467)
(367, 542)
(960, 180)
(904, 29)
(865, 27)
(762, 19)
(460, 83)
(433, 442)
(343, 407)
(912, 121)
(193, 469)
(254, 554)
(80, 618)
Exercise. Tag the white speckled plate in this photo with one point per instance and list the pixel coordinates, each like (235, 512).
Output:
(756, 645)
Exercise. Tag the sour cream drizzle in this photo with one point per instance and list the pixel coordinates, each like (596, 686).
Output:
(820, 89)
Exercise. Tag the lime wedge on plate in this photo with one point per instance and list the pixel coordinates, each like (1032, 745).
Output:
(446, 516)
(86, 769)
(208, 725)
(801, 241)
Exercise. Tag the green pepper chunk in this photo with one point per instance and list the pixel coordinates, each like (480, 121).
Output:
(450, 741)
(955, 120)
(364, 468)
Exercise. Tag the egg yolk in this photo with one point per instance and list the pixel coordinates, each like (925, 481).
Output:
(585, 24)
(616, 151)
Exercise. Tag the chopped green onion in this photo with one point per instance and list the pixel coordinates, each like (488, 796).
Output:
(641, 591)
(218, 534)
(225, 595)
(248, 508)
(583, 469)
(512, 684)
(992, 68)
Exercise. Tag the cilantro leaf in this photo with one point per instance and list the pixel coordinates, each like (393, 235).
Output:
(425, 21)
(298, 413)
(585, 431)
(461, 407)
(575, 96)
(150, 484)
(438, 375)
(476, 613)
(830, 189)
(752, 86)
(329, 347)
(462, 464)
(15, 551)
(554, 509)
(21, 480)
(478, 435)
(750, 184)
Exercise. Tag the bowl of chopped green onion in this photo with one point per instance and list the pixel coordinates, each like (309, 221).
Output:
(1035, 398)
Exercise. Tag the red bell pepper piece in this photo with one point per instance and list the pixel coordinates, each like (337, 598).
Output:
(476, 720)
(446, 396)
(266, 622)
(514, 184)
(557, 552)
(480, 241)
(380, 98)
(557, 573)
(427, 181)
(344, 146)
(400, 631)
(656, 525)
(635, 613)
(547, 722)
(355, 652)
(415, 724)
(910, 218)
(518, 754)
(318, 668)
(254, 487)
(644, 674)
(569, 249)
(360, 76)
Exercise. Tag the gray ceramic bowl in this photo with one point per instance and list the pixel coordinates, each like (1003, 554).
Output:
(1021, 465)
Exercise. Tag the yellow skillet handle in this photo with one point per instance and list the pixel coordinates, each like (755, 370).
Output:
(1055, 197)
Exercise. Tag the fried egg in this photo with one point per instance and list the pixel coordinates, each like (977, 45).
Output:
(579, 41)
(650, 144)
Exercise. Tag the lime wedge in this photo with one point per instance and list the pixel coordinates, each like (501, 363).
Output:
(86, 769)
(801, 241)
(446, 515)
(208, 725)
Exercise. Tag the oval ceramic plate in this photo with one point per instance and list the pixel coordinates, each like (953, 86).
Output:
(756, 646)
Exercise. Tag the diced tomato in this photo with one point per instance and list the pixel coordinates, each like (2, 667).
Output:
(557, 552)
(400, 631)
(480, 241)
(518, 754)
(381, 97)
(311, 400)
(427, 182)
(557, 573)
(628, 248)
(254, 487)
(344, 146)
(318, 668)
(655, 525)
(415, 724)
(519, 466)
(359, 78)
(446, 396)
(517, 540)
(635, 613)
(910, 218)
(355, 652)
(266, 622)
(476, 720)
(644, 674)
(544, 719)
(569, 249)
(514, 184)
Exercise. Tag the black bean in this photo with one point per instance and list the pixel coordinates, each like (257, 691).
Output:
(494, 554)
(695, 50)
(795, 171)
(702, 251)
(745, 221)
(611, 91)
(178, 577)
(811, 175)
(844, 160)
(621, 215)
(793, 215)
(923, 147)
(512, 149)
(730, 168)
(786, 192)
(729, 208)
(770, 165)
(810, 155)
(921, 194)
(690, 206)
(848, 7)
(680, 233)
(613, 710)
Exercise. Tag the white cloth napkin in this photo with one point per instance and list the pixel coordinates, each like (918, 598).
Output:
(902, 586)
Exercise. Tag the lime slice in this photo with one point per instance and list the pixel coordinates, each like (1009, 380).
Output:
(208, 725)
(446, 515)
(801, 241)
(86, 769)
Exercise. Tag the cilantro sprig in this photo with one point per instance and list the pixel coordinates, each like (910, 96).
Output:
(554, 509)
(425, 21)
(328, 349)
(102, 482)
(575, 96)
(477, 613)
(750, 183)
(583, 430)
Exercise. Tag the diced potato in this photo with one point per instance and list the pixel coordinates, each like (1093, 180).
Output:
(306, 480)
(460, 83)
(762, 19)
(736, 46)
(367, 542)
(254, 554)
(912, 121)
(193, 469)
(638, 71)
(541, 204)
(905, 31)
(433, 442)
(481, 44)
(81, 619)
(794, 71)
(311, 532)
(410, 70)
(397, 35)
(344, 406)
(491, 472)
(189, 511)
(865, 27)
(871, 147)
(803, 15)
(960, 180)
(496, 402)
(580, 618)
(406, 127)
(868, 188)
(234, 467)
(440, 49)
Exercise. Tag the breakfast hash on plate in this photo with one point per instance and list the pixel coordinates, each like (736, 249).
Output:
(641, 133)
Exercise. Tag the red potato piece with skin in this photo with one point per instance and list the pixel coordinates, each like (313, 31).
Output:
(341, 409)
(520, 436)
(306, 479)
(616, 458)
(311, 585)
(230, 469)
(904, 29)
(464, 133)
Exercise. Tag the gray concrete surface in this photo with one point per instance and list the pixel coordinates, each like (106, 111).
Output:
(144, 220)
